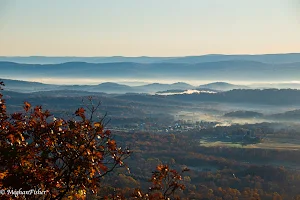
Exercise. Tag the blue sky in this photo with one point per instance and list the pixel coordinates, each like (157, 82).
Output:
(148, 27)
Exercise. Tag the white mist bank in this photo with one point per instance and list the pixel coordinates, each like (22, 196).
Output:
(187, 92)
(138, 81)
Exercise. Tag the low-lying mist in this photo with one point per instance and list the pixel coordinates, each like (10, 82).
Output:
(141, 81)
(216, 112)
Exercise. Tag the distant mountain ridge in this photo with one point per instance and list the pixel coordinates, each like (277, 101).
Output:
(106, 87)
(247, 96)
(235, 70)
(222, 86)
(265, 58)
(112, 87)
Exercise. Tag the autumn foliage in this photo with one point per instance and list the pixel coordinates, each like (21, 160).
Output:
(166, 183)
(66, 158)
(38, 151)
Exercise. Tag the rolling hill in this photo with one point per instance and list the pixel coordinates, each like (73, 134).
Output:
(222, 86)
(244, 114)
(106, 87)
(210, 71)
(265, 58)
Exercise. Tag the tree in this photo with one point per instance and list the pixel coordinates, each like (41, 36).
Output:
(38, 151)
(166, 183)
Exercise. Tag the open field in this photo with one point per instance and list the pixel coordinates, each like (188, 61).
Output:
(269, 144)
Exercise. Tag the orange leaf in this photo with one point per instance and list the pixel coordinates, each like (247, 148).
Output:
(80, 112)
(3, 174)
(27, 106)
(11, 137)
(97, 124)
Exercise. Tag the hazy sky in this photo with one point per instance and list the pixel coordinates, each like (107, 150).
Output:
(148, 27)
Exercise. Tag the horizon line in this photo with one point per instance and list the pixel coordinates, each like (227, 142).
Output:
(195, 55)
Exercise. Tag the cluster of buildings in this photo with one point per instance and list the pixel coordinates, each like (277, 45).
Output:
(176, 127)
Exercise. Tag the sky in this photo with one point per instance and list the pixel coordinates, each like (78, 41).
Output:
(148, 27)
